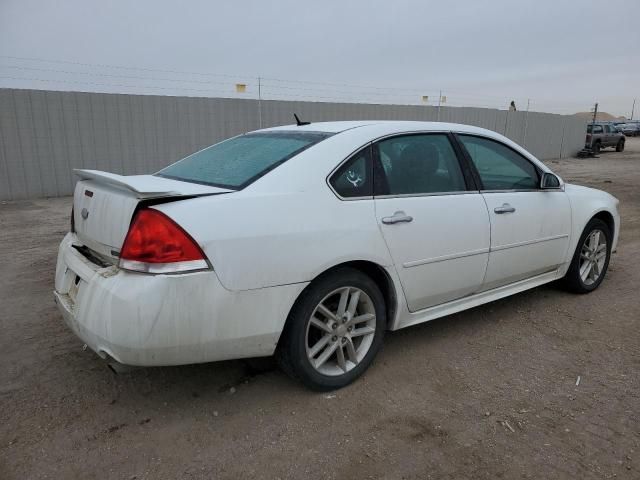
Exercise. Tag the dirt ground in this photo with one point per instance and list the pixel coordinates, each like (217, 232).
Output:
(487, 393)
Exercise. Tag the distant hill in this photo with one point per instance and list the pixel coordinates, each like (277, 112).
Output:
(602, 116)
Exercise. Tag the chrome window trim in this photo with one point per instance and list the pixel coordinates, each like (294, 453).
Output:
(351, 199)
(370, 144)
(345, 160)
(412, 132)
(559, 189)
(432, 194)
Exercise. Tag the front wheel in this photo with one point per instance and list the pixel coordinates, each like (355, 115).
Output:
(620, 146)
(591, 258)
(334, 330)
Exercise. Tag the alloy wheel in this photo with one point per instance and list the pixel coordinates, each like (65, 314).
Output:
(340, 331)
(593, 257)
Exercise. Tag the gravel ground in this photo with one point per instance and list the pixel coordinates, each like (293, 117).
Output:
(487, 393)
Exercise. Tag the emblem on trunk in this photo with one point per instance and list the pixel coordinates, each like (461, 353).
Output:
(84, 213)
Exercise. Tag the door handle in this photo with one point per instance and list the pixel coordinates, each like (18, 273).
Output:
(397, 217)
(505, 208)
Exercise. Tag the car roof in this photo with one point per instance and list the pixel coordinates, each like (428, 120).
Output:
(393, 126)
(325, 127)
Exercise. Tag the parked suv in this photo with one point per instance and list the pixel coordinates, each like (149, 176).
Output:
(601, 135)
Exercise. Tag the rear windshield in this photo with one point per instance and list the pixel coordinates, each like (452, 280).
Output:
(239, 161)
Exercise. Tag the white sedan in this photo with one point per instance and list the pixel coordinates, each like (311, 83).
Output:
(310, 241)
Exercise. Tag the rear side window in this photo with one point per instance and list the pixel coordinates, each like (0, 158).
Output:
(499, 167)
(353, 179)
(417, 164)
(239, 161)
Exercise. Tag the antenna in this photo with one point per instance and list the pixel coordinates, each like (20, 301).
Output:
(299, 122)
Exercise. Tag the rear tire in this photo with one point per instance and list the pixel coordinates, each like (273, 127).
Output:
(620, 146)
(334, 330)
(596, 148)
(591, 258)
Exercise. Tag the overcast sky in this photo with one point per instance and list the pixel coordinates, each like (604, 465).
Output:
(563, 55)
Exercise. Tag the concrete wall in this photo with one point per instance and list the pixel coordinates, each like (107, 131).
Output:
(45, 134)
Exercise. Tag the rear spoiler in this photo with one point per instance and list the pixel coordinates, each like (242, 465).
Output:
(149, 186)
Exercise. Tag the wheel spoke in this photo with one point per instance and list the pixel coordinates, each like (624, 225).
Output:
(353, 302)
(365, 317)
(602, 247)
(359, 332)
(326, 354)
(351, 351)
(320, 325)
(342, 363)
(595, 270)
(584, 256)
(342, 305)
(601, 255)
(585, 270)
(320, 344)
(326, 312)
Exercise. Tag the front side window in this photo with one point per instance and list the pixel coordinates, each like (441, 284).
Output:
(237, 162)
(499, 167)
(353, 179)
(417, 164)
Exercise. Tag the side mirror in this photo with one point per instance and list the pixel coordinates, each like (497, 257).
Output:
(550, 182)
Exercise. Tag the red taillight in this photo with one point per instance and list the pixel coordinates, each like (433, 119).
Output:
(156, 244)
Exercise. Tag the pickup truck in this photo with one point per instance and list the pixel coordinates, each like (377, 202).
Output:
(601, 135)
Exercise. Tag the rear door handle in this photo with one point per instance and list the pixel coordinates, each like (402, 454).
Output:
(397, 217)
(505, 208)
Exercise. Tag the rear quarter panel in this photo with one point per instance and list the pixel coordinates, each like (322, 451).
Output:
(256, 241)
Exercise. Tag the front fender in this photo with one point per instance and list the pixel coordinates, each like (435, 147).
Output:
(586, 203)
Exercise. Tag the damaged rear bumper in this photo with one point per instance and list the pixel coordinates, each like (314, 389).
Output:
(149, 320)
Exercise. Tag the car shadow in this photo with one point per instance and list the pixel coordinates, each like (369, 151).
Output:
(228, 376)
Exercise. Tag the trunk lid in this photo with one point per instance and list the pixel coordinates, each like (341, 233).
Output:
(104, 204)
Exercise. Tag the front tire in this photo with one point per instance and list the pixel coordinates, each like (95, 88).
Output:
(620, 146)
(591, 258)
(334, 330)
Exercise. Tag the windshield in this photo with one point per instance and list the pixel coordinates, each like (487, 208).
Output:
(239, 161)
